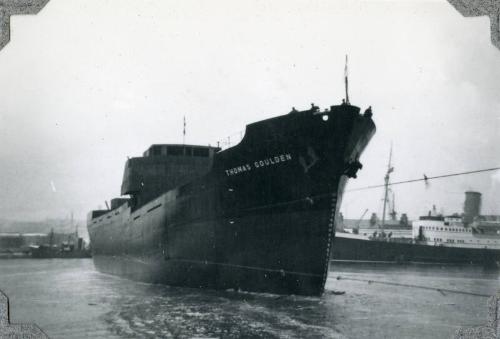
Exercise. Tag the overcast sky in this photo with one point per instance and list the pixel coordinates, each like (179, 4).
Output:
(86, 83)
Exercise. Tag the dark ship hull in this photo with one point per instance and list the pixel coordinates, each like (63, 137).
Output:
(347, 249)
(260, 219)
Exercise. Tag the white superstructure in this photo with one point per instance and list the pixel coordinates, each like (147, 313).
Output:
(451, 231)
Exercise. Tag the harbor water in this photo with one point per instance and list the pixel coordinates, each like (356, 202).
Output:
(70, 299)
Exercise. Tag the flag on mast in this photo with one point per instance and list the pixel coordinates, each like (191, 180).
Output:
(346, 74)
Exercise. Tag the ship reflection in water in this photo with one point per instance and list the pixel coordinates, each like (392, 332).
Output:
(70, 299)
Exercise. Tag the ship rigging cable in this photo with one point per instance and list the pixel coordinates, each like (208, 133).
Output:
(425, 178)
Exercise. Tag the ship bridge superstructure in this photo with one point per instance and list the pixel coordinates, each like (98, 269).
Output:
(163, 167)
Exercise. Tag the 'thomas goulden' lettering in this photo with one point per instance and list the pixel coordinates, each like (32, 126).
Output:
(271, 161)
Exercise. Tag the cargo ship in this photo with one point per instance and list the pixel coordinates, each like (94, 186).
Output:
(258, 216)
(43, 245)
(69, 246)
(466, 238)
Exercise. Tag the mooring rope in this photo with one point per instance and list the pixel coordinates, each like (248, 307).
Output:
(440, 290)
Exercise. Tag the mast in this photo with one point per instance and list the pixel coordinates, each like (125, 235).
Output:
(73, 226)
(386, 186)
(393, 207)
(51, 237)
(346, 74)
(184, 131)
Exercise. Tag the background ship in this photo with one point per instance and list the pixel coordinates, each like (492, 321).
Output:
(467, 238)
(258, 216)
(54, 244)
(65, 246)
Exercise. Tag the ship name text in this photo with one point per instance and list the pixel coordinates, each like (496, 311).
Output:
(271, 161)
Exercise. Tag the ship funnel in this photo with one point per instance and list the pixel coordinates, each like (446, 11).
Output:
(472, 206)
